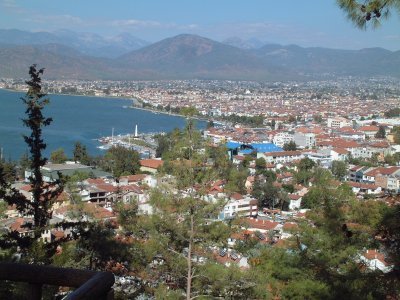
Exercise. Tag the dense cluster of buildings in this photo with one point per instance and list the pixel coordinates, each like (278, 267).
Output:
(346, 129)
(350, 96)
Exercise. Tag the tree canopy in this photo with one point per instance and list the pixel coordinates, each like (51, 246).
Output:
(370, 12)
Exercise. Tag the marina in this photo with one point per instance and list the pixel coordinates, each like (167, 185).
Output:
(144, 143)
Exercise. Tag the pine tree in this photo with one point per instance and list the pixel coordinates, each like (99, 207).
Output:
(362, 13)
(43, 194)
(42, 197)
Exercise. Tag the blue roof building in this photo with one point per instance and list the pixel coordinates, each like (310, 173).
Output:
(246, 149)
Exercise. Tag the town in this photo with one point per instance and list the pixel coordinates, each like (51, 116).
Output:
(229, 194)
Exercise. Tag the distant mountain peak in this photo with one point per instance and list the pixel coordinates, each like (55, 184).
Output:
(252, 43)
(185, 56)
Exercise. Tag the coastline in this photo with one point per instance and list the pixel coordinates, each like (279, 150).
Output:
(156, 111)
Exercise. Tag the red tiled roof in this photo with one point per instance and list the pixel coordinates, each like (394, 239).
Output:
(106, 187)
(98, 212)
(315, 130)
(261, 224)
(134, 178)
(374, 254)
(132, 188)
(382, 170)
(294, 197)
(151, 163)
(236, 196)
(362, 185)
(95, 181)
(369, 128)
(340, 150)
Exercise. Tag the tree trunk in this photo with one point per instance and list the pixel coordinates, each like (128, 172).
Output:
(189, 259)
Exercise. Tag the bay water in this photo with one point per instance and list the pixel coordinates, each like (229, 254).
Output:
(78, 118)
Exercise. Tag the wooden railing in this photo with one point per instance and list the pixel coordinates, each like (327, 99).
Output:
(89, 284)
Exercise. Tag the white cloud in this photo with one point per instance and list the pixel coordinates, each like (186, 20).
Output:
(54, 19)
(8, 3)
(393, 37)
(134, 23)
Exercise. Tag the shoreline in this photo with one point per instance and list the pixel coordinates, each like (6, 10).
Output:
(118, 98)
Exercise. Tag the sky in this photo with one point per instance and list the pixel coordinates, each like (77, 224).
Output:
(310, 23)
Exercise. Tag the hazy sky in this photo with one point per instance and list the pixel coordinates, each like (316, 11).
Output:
(306, 23)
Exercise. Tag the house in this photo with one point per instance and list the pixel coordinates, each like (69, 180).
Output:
(338, 122)
(305, 139)
(50, 171)
(374, 260)
(263, 226)
(388, 179)
(295, 201)
(150, 165)
(356, 173)
(239, 206)
(339, 154)
(371, 175)
(369, 130)
(364, 188)
(350, 134)
(282, 138)
(281, 157)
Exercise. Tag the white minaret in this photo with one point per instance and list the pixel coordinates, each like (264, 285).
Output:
(136, 133)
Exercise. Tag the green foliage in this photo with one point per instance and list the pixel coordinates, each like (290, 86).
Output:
(392, 159)
(42, 197)
(303, 177)
(80, 154)
(246, 161)
(339, 169)
(9, 171)
(260, 164)
(396, 134)
(325, 191)
(163, 144)
(236, 181)
(393, 113)
(317, 118)
(227, 283)
(253, 121)
(291, 146)
(362, 13)
(288, 188)
(189, 111)
(97, 244)
(58, 156)
(390, 228)
(23, 165)
(127, 215)
(220, 160)
(306, 164)
(121, 161)
(381, 134)
(266, 193)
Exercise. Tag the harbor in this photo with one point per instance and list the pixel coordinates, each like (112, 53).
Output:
(143, 143)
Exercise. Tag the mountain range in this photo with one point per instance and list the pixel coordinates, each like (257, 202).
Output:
(69, 55)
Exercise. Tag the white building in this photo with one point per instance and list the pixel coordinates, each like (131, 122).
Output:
(304, 140)
(281, 157)
(375, 260)
(239, 206)
(282, 138)
(338, 122)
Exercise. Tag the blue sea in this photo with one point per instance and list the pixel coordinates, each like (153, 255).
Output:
(78, 118)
